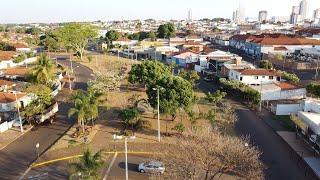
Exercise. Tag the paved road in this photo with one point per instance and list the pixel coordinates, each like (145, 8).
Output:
(276, 153)
(16, 157)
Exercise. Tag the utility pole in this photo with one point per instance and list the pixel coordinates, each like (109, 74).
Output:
(260, 106)
(317, 69)
(158, 109)
(18, 108)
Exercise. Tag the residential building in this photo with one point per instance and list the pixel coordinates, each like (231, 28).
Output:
(9, 101)
(254, 76)
(280, 90)
(235, 64)
(262, 16)
(263, 44)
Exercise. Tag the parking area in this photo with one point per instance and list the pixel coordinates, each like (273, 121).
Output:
(114, 168)
(117, 170)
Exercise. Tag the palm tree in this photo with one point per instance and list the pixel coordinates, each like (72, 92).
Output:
(93, 109)
(43, 71)
(88, 165)
(81, 108)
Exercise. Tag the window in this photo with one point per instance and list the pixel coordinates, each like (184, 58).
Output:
(270, 77)
(236, 76)
(257, 77)
(241, 78)
(263, 77)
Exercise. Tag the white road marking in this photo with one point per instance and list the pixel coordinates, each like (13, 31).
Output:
(110, 166)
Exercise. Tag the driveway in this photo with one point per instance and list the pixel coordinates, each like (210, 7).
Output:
(16, 157)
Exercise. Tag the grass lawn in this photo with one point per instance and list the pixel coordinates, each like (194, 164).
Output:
(106, 63)
(286, 122)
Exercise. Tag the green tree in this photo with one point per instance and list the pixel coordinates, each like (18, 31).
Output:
(76, 36)
(293, 78)
(88, 165)
(42, 92)
(191, 76)
(166, 31)
(314, 89)
(152, 35)
(131, 119)
(265, 64)
(175, 92)
(179, 128)
(51, 41)
(111, 36)
(43, 71)
(2, 28)
(80, 108)
(216, 97)
(33, 31)
(148, 72)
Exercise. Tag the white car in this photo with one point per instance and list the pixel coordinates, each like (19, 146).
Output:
(16, 122)
(151, 167)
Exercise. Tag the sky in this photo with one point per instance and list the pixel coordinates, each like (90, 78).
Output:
(28, 11)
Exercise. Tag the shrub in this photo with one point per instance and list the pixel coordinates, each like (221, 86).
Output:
(236, 87)
(314, 89)
(293, 78)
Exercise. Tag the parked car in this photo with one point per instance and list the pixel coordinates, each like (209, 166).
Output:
(208, 79)
(151, 167)
(16, 122)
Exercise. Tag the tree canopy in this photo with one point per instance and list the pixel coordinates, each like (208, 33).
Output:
(76, 36)
(265, 64)
(148, 72)
(166, 31)
(111, 36)
(174, 92)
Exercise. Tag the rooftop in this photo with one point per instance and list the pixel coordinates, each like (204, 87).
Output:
(10, 97)
(258, 72)
(6, 55)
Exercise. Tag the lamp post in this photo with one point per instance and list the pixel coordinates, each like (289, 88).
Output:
(37, 150)
(158, 109)
(260, 105)
(18, 108)
(126, 156)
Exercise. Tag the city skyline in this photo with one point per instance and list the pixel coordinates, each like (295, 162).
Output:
(84, 10)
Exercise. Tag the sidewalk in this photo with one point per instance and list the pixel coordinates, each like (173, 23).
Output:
(11, 135)
(304, 154)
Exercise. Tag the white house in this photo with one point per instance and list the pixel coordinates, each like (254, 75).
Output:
(254, 76)
(125, 42)
(8, 101)
(280, 91)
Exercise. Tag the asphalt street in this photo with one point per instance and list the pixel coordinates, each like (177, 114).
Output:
(16, 157)
(276, 153)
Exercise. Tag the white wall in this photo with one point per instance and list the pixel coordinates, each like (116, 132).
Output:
(287, 109)
(313, 106)
(252, 79)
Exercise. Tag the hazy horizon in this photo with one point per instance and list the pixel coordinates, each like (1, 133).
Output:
(53, 11)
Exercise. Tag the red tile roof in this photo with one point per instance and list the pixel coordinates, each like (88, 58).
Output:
(257, 72)
(19, 45)
(6, 55)
(287, 86)
(5, 82)
(10, 97)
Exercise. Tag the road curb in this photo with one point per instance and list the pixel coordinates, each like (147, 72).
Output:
(24, 132)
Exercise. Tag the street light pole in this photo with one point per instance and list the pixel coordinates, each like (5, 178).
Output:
(158, 109)
(260, 106)
(126, 154)
(18, 108)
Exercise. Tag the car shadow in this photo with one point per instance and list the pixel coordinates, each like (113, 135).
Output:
(131, 166)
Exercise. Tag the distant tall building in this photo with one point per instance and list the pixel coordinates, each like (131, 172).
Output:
(190, 15)
(316, 14)
(239, 15)
(303, 9)
(262, 16)
(295, 16)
